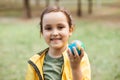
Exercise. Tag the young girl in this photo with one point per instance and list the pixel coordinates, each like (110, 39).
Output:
(57, 62)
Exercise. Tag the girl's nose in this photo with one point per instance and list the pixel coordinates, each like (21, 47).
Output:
(55, 32)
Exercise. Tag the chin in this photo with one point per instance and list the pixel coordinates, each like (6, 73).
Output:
(56, 46)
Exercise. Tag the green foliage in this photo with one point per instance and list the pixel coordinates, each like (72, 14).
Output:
(19, 40)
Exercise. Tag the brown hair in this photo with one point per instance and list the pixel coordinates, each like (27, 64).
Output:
(56, 9)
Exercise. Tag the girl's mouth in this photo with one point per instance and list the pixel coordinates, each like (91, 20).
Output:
(52, 39)
(55, 39)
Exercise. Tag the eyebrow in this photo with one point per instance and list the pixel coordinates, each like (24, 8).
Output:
(60, 24)
(47, 25)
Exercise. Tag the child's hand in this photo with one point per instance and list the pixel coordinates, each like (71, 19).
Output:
(76, 58)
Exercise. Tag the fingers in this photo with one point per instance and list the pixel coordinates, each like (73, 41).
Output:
(75, 52)
(75, 59)
(70, 55)
(82, 52)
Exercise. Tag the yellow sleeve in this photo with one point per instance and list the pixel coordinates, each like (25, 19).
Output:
(30, 74)
(85, 67)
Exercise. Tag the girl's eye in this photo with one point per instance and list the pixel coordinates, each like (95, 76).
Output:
(60, 27)
(48, 28)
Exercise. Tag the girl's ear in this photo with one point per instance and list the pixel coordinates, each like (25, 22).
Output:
(71, 30)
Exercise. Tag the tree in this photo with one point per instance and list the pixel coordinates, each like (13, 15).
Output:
(79, 8)
(90, 4)
(47, 3)
(27, 9)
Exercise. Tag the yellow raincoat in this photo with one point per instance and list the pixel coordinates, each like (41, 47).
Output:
(35, 67)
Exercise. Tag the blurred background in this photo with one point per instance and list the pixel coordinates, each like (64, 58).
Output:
(97, 24)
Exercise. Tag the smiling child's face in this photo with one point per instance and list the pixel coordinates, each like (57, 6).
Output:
(56, 30)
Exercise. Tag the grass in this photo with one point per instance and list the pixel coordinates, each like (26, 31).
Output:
(103, 46)
(19, 40)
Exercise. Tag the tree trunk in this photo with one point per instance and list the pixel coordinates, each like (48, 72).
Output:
(47, 3)
(90, 6)
(27, 9)
(79, 8)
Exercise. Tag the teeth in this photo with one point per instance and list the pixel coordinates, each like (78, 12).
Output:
(56, 39)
